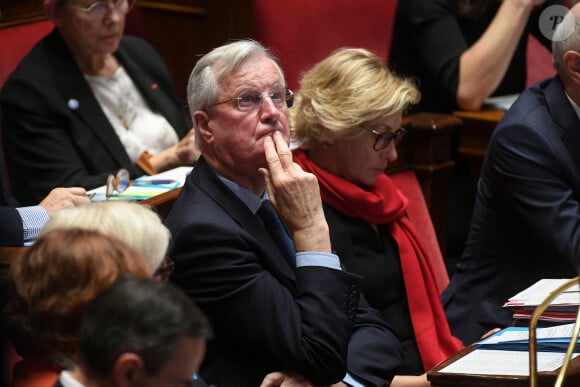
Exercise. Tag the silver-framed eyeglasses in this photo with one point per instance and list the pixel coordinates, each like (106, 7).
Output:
(117, 183)
(383, 139)
(98, 9)
(252, 100)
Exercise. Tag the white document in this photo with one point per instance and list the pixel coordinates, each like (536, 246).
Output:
(523, 334)
(492, 362)
(134, 192)
(535, 294)
(503, 102)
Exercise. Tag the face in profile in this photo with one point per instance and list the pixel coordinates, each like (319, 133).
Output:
(358, 161)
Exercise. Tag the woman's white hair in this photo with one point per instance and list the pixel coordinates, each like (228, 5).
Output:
(135, 224)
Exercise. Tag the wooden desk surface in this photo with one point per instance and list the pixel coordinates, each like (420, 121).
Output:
(545, 379)
(492, 116)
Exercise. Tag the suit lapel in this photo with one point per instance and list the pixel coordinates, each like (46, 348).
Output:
(80, 100)
(274, 261)
(565, 117)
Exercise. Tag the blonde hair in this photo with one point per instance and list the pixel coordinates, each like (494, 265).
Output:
(135, 224)
(349, 89)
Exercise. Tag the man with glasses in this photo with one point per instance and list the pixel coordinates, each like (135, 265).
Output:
(252, 246)
(87, 101)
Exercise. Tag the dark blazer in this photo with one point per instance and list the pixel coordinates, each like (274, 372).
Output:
(55, 132)
(526, 219)
(268, 316)
(374, 255)
(11, 231)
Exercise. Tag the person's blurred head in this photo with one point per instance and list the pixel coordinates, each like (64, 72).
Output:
(237, 96)
(89, 27)
(137, 225)
(57, 277)
(348, 113)
(566, 39)
(142, 332)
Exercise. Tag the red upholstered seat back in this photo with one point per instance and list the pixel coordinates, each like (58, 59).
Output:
(303, 32)
(418, 213)
(16, 42)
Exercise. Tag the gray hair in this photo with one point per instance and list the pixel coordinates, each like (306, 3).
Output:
(566, 38)
(204, 85)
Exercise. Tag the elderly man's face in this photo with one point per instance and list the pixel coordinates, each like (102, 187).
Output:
(237, 137)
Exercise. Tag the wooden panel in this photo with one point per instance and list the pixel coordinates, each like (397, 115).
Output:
(15, 12)
(183, 30)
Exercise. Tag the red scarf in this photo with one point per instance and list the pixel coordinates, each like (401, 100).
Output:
(383, 203)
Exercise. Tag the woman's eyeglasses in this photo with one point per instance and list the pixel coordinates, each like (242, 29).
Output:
(117, 183)
(164, 271)
(252, 101)
(98, 9)
(384, 139)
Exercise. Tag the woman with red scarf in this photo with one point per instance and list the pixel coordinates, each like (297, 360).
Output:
(347, 120)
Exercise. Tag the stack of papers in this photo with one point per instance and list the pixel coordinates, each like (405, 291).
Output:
(145, 187)
(497, 362)
(563, 309)
(552, 339)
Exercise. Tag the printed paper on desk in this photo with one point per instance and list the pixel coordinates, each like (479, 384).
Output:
(492, 362)
(553, 339)
(146, 191)
(539, 291)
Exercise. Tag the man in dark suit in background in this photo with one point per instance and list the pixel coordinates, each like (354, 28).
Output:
(274, 305)
(526, 221)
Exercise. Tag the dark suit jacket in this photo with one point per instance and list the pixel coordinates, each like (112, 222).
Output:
(56, 134)
(267, 316)
(11, 232)
(526, 220)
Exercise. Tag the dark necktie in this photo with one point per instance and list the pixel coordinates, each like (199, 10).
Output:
(277, 231)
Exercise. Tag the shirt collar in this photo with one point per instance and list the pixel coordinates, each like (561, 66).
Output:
(249, 198)
(574, 106)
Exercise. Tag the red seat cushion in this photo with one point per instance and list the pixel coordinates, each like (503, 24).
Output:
(16, 42)
(418, 213)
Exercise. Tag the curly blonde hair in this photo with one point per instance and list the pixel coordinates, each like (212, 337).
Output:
(349, 89)
(56, 278)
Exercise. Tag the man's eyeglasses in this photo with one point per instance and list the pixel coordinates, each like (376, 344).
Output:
(384, 139)
(252, 101)
(98, 9)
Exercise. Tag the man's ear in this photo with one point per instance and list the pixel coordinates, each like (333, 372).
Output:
(571, 61)
(128, 369)
(202, 121)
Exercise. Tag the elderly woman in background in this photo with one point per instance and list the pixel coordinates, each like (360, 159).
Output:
(347, 120)
(53, 282)
(135, 224)
(87, 101)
